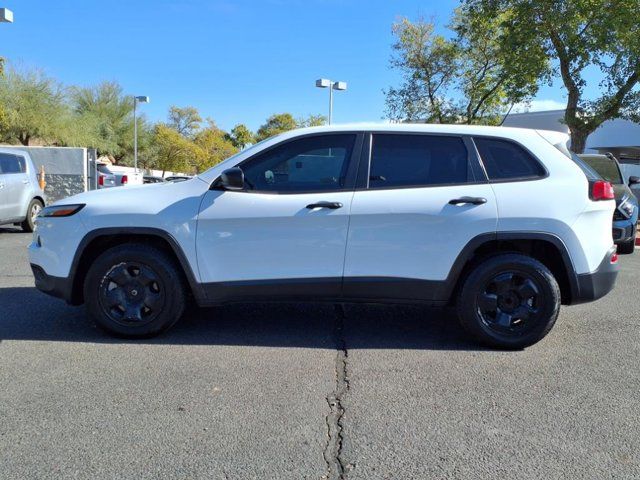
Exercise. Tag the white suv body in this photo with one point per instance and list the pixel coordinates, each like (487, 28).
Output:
(374, 213)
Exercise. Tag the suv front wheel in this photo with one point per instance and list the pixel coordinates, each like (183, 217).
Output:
(509, 301)
(134, 291)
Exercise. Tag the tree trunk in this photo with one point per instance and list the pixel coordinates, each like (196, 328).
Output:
(578, 140)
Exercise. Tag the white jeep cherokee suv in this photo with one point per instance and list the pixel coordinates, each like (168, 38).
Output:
(501, 222)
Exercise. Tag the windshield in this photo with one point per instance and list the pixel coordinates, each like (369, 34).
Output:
(605, 166)
(585, 167)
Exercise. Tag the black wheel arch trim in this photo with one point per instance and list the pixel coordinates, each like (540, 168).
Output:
(438, 291)
(196, 287)
(466, 255)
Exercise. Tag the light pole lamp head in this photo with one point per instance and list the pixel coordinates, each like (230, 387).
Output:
(6, 15)
(323, 83)
(340, 85)
(142, 99)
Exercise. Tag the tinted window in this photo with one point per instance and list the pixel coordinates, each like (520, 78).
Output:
(12, 163)
(606, 167)
(507, 160)
(417, 160)
(308, 164)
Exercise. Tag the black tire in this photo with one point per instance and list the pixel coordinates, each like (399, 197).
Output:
(134, 291)
(627, 248)
(509, 301)
(34, 208)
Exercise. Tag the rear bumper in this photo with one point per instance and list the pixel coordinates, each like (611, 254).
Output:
(60, 287)
(623, 231)
(595, 285)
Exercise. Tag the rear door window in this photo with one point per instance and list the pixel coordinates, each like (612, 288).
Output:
(506, 160)
(12, 163)
(404, 160)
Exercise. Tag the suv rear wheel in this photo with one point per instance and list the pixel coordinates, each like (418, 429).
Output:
(134, 291)
(509, 301)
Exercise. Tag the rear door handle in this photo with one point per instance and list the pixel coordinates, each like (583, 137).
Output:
(471, 200)
(331, 205)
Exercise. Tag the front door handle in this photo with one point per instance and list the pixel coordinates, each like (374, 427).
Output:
(331, 205)
(25, 181)
(471, 200)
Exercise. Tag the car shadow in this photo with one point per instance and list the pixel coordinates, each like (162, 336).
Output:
(31, 315)
(8, 229)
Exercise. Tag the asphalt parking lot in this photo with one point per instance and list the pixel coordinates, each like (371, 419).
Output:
(314, 391)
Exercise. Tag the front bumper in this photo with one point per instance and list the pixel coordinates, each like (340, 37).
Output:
(60, 287)
(595, 285)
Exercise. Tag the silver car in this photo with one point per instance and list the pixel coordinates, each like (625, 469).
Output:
(106, 178)
(21, 197)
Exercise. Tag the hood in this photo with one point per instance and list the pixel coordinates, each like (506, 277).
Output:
(132, 195)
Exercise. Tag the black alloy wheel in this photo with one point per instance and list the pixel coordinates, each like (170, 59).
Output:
(509, 301)
(131, 294)
(135, 290)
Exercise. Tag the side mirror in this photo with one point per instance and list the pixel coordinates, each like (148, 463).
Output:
(231, 179)
(633, 180)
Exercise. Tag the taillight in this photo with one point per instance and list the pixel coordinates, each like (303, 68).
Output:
(601, 190)
(100, 180)
(124, 180)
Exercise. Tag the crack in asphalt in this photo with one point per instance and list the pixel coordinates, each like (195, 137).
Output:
(336, 468)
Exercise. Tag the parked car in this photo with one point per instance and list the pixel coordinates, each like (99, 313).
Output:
(496, 221)
(106, 178)
(177, 178)
(625, 217)
(152, 179)
(126, 178)
(21, 198)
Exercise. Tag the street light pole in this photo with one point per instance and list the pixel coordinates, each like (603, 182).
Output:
(331, 85)
(136, 100)
(6, 15)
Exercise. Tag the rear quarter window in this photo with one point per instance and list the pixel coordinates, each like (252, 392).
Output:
(506, 160)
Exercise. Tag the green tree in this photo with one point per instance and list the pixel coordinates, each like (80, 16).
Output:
(428, 64)
(241, 136)
(214, 146)
(311, 121)
(172, 151)
(185, 120)
(104, 120)
(34, 107)
(468, 78)
(581, 39)
(276, 124)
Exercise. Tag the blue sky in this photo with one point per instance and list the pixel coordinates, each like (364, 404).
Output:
(235, 60)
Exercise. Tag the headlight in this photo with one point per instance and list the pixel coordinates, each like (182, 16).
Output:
(626, 207)
(61, 210)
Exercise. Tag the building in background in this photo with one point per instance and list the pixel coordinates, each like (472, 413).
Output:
(620, 137)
